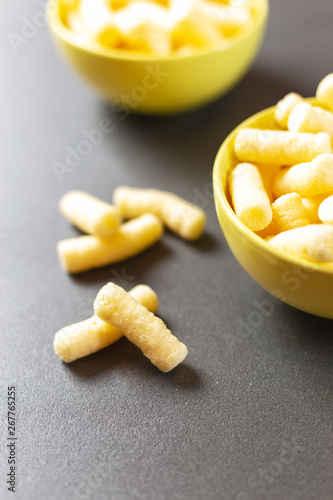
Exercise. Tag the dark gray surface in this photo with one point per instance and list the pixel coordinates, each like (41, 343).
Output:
(245, 416)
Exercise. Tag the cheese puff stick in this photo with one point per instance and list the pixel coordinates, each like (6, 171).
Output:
(93, 334)
(280, 147)
(307, 118)
(90, 214)
(313, 242)
(324, 92)
(179, 215)
(284, 108)
(306, 179)
(312, 204)
(146, 331)
(249, 197)
(325, 212)
(289, 212)
(87, 252)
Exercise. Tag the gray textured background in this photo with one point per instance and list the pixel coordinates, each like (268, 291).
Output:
(246, 416)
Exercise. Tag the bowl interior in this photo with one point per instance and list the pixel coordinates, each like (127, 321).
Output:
(58, 22)
(224, 162)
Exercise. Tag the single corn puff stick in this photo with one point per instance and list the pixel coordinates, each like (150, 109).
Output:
(289, 212)
(91, 215)
(268, 172)
(249, 198)
(324, 92)
(306, 179)
(146, 331)
(89, 336)
(87, 252)
(285, 106)
(179, 215)
(280, 147)
(325, 212)
(313, 242)
(307, 118)
(312, 204)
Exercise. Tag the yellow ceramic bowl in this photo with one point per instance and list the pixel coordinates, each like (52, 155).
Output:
(305, 285)
(159, 85)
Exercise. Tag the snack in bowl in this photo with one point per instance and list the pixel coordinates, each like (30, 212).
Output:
(289, 212)
(159, 27)
(279, 147)
(325, 210)
(252, 205)
(290, 258)
(304, 154)
(285, 106)
(159, 74)
(307, 179)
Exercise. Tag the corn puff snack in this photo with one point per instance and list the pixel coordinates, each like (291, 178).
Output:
(160, 27)
(285, 106)
(91, 335)
(306, 179)
(90, 214)
(314, 242)
(180, 216)
(289, 212)
(87, 252)
(307, 118)
(279, 147)
(249, 197)
(300, 191)
(268, 173)
(325, 211)
(146, 331)
(312, 204)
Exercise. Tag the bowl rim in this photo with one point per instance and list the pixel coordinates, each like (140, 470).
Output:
(221, 199)
(65, 34)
